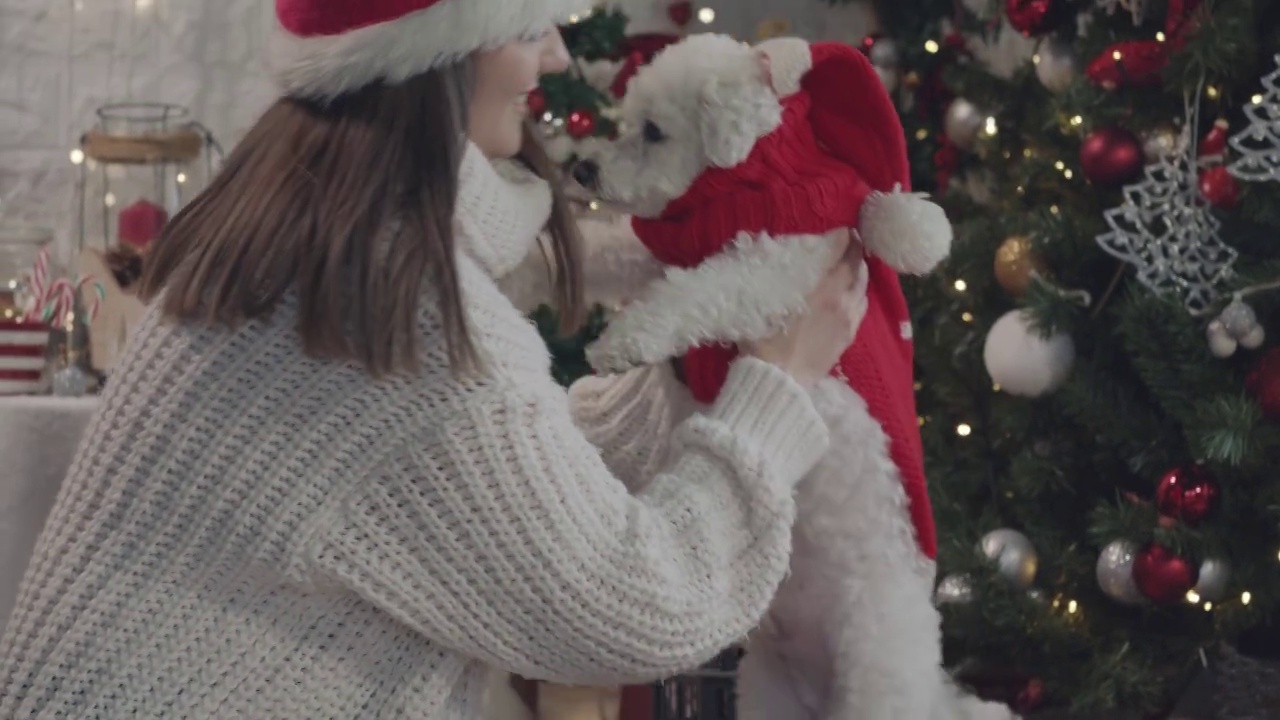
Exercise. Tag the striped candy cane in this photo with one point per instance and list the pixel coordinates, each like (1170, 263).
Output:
(99, 294)
(37, 290)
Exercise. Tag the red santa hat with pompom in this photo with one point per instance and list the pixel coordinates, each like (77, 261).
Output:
(325, 48)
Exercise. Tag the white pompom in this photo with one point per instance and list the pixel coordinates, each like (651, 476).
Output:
(1022, 362)
(905, 230)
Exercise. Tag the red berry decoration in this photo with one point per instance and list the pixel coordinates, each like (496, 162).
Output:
(1263, 383)
(680, 12)
(581, 124)
(1163, 577)
(1129, 63)
(1111, 156)
(537, 101)
(1188, 494)
(1219, 187)
(1036, 17)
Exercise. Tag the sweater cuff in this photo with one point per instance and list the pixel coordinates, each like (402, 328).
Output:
(774, 415)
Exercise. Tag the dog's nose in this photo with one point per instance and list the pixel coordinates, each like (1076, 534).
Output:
(587, 173)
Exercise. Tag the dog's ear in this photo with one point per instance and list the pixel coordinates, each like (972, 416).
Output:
(735, 111)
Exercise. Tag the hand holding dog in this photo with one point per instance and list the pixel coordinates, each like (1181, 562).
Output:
(811, 344)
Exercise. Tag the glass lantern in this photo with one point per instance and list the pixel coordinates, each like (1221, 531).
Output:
(139, 165)
(24, 335)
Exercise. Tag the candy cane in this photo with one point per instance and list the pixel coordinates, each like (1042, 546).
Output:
(60, 302)
(99, 294)
(37, 287)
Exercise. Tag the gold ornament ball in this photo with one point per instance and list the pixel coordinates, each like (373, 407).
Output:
(1016, 262)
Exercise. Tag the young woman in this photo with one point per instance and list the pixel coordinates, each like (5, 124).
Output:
(333, 478)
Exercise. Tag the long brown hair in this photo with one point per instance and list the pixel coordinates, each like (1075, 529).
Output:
(350, 205)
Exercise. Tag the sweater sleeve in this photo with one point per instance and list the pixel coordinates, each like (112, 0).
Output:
(631, 418)
(504, 537)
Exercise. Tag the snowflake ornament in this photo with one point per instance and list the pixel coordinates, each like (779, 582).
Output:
(1259, 143)
(1166, 229)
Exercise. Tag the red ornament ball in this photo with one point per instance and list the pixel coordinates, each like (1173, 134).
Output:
(680, 12)
(1111, 156)
(1030, 698)
(537, 101)
(1263, 383)
(1188, 494)
(1163, 577)
(582, 123)
(1036, 17)
(1219, 187)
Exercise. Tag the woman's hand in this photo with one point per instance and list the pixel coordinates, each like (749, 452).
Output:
(811, 344)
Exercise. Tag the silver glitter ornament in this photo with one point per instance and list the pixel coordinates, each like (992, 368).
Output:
(1013, 554)
(1115, 573)
(963, 122)
(1238, 318)
(1161, 141)
(1258, 144)
(1057, 64)
(1215, 576)
(954, 589)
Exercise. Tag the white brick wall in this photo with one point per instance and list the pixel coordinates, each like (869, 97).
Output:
(61, 59)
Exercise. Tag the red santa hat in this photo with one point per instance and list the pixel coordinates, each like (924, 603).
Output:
(324, 48)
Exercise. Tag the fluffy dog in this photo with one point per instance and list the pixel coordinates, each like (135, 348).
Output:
(737, 163)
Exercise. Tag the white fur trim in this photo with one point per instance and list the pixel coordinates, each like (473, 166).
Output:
(905, 230)
(789, 60)
(744, 293)
(325, 67)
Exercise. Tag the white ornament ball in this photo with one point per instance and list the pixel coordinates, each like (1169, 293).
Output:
(889, 76)
(1022, 362)
(1013, 554)
(1221, 344)
(1115, 573)
(1215, 575)
(963, 122)
(1238, 318)
(884, 53)
(953, 589)
(1057, 64)
(559, 147)
(1254, 338)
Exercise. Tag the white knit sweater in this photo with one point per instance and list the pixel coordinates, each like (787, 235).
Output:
(247, 532)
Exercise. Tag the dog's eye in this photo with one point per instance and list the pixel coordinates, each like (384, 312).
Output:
(653, 133)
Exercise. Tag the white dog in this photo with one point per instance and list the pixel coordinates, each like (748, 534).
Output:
(852, 633)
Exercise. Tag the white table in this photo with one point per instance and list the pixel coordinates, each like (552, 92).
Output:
(38, 437)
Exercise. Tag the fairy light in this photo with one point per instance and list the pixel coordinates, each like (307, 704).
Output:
(1246, 597)
(1072, 607)
(931, 46)
(961, 285)
(182, 177)
(995, 387)
(1208, 606)
(922, 134)
(1077, 120)
(1212, 92)
(1055, 209)
(1160, 36)
(990, 128)
(964, 430)
(967, 317)
(1115, 55)
(1067, 174)
(920, 420)
(1256, 99)
(1193, 597)
(1060, 165)
(573, 19)
(109, 200)
(77, 156)
(1026, 152)
(706, 16)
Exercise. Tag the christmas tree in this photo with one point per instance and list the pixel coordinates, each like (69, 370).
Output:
(1098, 368)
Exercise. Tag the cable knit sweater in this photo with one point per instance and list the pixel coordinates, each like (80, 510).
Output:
(247, 532)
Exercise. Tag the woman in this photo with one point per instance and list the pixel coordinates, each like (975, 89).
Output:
(332, 477)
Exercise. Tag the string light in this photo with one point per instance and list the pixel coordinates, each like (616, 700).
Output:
(1035, 59)
(182, 177)
(1076, 120)
(1160, 36)
(995, 387)
(1208, 606)
(921, 420)
(1256, 99)
(77, 156)
(961, 285)
(1060, 165)
(931, 46)
(1055, 209)
(706, 16)
(109, 200)
(1212, 92)
(990, 128)
(1066, 174)
(1115, 55)
(967, 317)
(1072, 607)
(964, 430)
(1193, 597)
(923, 134)
(1246, 597)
